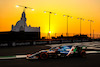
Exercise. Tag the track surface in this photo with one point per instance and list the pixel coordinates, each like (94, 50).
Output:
(92, 60)
(8, 51)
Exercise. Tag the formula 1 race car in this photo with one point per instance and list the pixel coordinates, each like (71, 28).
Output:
(60, 51)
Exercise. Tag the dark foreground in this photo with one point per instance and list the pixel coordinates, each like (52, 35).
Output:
(92, 60)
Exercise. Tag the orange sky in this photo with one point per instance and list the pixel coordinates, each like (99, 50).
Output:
(87, 9)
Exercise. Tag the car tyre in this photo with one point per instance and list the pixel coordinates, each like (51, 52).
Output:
(83, 53)
(43, 55)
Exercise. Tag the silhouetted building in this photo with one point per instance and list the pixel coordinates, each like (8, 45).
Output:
(22, 26)
(76, 37)
(21, 31)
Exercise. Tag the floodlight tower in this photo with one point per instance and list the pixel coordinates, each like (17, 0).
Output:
(67, 22)
(90, 26)
(49, 20)
(80, 23)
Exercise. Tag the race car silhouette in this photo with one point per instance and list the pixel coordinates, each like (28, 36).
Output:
(59, 51)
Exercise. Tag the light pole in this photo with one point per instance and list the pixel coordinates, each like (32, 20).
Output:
(90, 26)
(24, 11)
(80, 23)
(49, 20)
(25, 7)
(93, 34)
(67, 23)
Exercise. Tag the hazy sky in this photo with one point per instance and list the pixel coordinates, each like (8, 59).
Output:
(87, 9)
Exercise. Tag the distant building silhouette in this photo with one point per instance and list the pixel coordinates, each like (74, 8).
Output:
(22, 26)
(75, 37)
(21, 31)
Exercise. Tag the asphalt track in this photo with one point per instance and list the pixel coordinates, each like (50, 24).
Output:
(21, 50)
(92, 60)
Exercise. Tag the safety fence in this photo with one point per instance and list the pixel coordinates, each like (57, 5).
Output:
(39, 42)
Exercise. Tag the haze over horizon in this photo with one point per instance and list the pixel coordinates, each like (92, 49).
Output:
(86, 9)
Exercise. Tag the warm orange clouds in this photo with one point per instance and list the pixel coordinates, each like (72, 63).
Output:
(87, 9)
